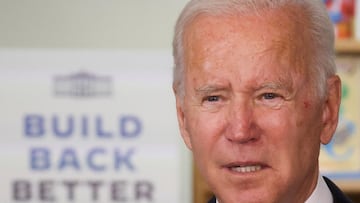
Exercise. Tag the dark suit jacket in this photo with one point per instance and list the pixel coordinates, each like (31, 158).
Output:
(338, 195)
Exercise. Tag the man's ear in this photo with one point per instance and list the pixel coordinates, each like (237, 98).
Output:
(182, 121)
(331, 109)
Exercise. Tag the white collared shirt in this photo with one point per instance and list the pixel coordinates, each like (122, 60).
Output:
(320, 194)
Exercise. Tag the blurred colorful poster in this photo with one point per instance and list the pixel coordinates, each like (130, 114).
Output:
(340, 159)
(341, 13)
(90, 126)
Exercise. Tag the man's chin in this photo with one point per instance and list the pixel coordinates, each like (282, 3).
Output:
(248, 198)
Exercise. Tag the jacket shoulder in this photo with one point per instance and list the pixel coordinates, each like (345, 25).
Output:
(338, 195)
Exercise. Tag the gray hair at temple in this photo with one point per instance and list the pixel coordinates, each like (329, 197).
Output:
(318, 26)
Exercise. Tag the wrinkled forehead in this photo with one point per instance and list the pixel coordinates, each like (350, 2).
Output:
(280, 32)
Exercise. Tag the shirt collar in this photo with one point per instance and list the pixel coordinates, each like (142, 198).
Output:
(320, 194)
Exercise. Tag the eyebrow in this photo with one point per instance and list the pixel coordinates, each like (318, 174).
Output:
(272, 85)
(207, 89)
(286, 86)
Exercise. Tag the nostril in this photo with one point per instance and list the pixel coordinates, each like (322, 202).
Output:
(243, 134)
(242, 138)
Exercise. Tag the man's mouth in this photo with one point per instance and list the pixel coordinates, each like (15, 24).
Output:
(245, 169)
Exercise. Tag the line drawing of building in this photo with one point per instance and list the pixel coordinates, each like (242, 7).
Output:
(82, 84)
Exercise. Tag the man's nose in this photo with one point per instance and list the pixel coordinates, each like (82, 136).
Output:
(241, 126)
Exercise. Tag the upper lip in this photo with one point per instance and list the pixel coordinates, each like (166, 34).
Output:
(243, 164)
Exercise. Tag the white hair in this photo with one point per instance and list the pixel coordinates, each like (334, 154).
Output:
(318, 27)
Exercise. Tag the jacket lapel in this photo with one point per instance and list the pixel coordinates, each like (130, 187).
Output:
(338, 195)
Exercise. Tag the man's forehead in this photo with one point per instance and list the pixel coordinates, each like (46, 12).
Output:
(282, 20)
(279, 38)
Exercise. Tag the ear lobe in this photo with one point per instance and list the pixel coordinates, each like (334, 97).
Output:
(331, 109)
(182, 123)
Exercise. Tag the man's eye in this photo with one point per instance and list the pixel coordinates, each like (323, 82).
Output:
(212, 98)
(270, 96)
(272, 100)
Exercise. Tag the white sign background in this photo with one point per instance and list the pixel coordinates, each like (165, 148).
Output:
(141, 86)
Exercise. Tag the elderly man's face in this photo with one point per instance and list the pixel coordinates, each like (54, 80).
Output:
(249, 112)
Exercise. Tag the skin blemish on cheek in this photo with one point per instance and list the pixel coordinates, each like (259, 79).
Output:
(307, 104)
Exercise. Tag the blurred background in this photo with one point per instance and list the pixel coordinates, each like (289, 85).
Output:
(87, 112)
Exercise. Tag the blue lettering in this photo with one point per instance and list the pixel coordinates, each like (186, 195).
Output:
(69, 159)
(91, 159)
(130, 126)
(99, 128)
(34, 126)
(69, 127)
(39, 159)
(124, 160)
(84, 126)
